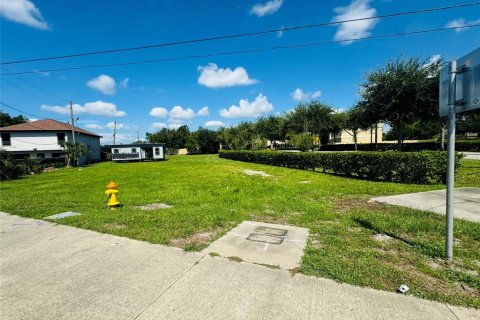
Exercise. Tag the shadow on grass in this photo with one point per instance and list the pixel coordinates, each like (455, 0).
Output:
(426, 248)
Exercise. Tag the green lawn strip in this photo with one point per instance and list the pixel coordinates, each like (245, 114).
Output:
(345, 250)
(468, 174)
(211, 195)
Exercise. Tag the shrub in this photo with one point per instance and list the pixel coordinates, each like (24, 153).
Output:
(303, 141)
(425, 167)
(9, 168)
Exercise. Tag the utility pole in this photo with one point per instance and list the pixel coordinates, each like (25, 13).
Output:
(74, 160)
(114, 131)
(138, 136)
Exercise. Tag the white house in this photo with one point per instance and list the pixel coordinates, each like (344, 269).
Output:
(137, 152)
(43, 139)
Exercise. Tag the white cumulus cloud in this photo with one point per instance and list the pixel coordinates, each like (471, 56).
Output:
(355, 29)
(263, 9)
(212, 76)
(203, 112)
(111, 125)
(299, 95)
(175, 123)
(159, 112)
(214, 123)
(158, 125)
(246, 109)
(24, 12)
(103, 83)
(178, 112)
(98, 108)
(461, 23)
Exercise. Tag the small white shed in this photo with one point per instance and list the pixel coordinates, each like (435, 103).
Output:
(138, 152)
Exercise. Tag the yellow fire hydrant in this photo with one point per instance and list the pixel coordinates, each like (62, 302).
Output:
(111, 193)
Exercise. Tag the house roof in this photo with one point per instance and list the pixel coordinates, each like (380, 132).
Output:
(133, 145)
(46, 125)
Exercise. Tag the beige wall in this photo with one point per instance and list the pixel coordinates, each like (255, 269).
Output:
(364, 136)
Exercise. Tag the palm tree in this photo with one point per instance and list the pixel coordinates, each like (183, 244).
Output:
(73, 152)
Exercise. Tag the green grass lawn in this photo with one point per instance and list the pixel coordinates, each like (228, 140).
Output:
(211, 195)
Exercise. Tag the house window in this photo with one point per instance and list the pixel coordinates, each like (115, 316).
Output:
(61, 138)
(157, 151)
(6, 139)
(58, 155)
(40, 155)
(115, 151)
(134, 150)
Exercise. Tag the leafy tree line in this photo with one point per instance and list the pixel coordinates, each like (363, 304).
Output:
(7, 120)
(403, 94)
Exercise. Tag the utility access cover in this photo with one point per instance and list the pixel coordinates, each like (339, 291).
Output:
(271, 231)
(264, 243)
(265, 238)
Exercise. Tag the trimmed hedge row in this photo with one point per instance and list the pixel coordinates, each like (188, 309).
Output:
(414, 146)
(425, 167)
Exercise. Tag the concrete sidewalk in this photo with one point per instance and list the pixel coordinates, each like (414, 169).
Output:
(50, 271)
(472, 155)
(466, 202)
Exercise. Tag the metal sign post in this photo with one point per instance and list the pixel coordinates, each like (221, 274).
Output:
(451, 160)
(459, 92)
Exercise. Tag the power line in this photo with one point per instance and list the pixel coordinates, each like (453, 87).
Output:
(225, 53)
(29, 92)
(178, 16)
(26, 113)
(238, 35)
(53, 95)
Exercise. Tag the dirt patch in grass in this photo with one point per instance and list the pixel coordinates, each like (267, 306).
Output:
(256, 173)
(198, 239)
(316, 243)
(269, 218)
(115, 226)
(154, 206)
(347, 204)
(380, 237)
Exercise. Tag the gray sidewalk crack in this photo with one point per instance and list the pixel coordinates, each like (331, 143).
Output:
(170, 286)
(454, 314)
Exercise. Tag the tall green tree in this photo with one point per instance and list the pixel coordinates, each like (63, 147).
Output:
(296, 121)
(271, 128)
(319, 119)
(352, 121)
(7, 120)
(203, 141)
(73, 152)
(469, 122)
(173, 138)
(402, 92)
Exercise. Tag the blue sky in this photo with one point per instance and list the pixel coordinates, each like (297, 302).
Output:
(207, 92)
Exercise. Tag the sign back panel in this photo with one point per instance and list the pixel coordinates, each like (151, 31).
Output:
(467, 84)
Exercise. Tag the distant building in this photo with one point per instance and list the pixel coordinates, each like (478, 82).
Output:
(363, 136)
(137, 152)
(43, 139)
